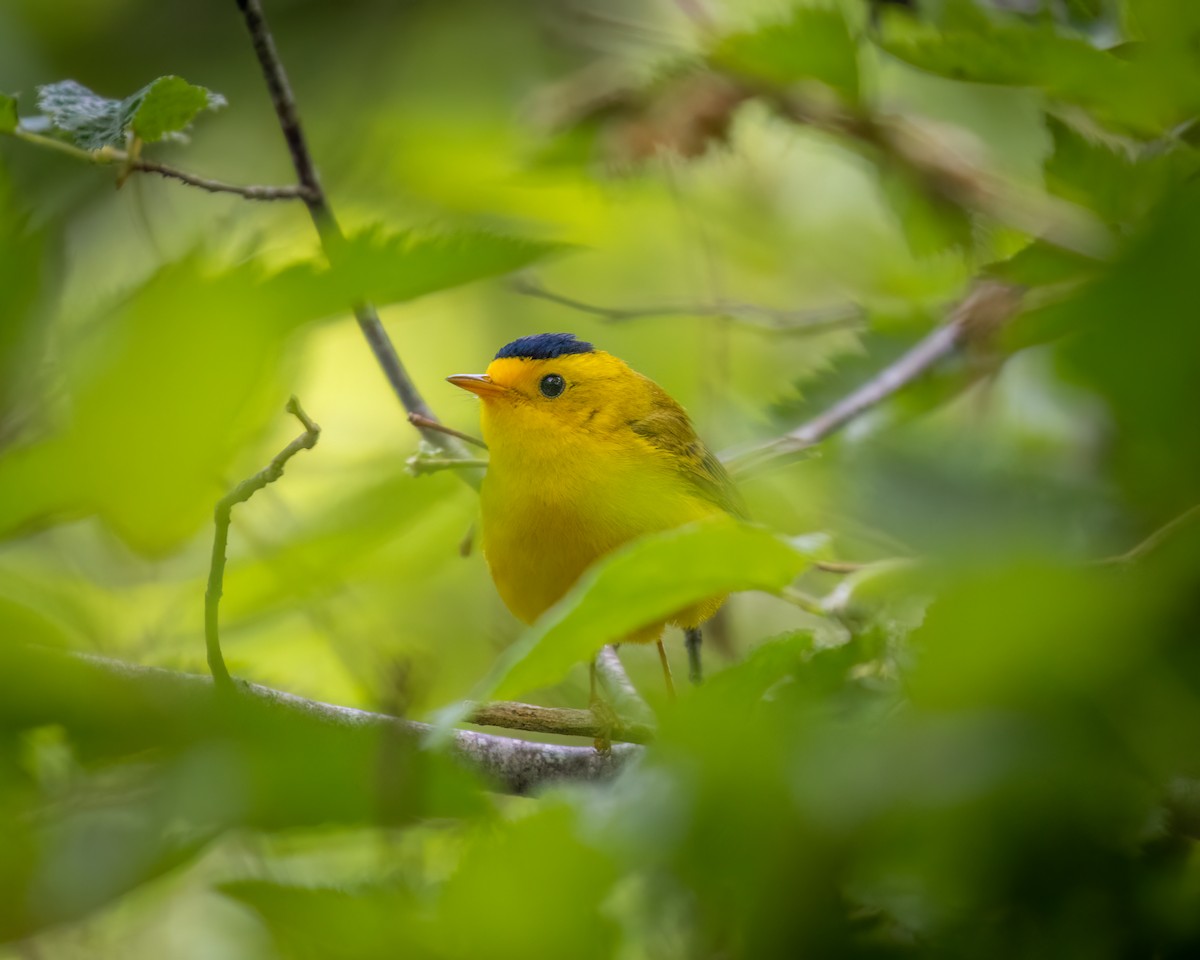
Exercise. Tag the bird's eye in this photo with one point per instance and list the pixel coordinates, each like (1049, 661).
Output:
(552, 385)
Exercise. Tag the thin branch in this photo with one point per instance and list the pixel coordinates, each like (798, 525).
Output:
(110, 156)
(976, 318)
(417, 420)
(251, 192)
(560, 720)
(222, 516)
(330, 232)
(420, 464)
(1154, 541)
(750, 314)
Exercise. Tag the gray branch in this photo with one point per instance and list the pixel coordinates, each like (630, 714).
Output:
(510, 765)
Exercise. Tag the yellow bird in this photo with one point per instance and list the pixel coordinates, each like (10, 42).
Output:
(585, 454)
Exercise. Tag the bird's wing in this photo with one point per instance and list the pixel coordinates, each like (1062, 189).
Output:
(667, 429)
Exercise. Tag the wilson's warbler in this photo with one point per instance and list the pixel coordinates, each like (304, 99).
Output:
(585, 454)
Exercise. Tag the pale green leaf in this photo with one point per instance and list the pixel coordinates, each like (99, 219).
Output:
(644, 583)
(814, 43)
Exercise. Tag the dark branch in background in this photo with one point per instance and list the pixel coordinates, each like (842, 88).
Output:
(752, 315)
(980, 314)
(222, 516)
(328, 229)
(110, 156)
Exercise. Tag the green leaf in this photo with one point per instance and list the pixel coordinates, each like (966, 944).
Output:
(1130, 94)
(643, 583)
(168, 106)
(160, 109)
(814, 43)
(395, 267)
(173, 383)
(8, 113)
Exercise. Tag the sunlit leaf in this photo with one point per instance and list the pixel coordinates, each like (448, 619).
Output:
(813, 43)
(645, 582)
(392, 267)
(182, 374)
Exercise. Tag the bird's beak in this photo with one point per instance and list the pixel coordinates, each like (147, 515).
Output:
(478, 383)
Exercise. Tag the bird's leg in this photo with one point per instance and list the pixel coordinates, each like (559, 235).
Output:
(691, 640)
(666, 667)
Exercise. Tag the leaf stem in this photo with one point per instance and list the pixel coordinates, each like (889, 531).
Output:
(109, 156)
(223, 515)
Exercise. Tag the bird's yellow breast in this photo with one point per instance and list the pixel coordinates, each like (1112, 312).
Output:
(555, 502)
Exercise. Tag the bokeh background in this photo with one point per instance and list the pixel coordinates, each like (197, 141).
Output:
(976, 751)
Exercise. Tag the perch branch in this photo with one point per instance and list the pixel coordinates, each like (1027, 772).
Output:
(559, 720)
(110, 156)
(984, 310)
(165, 703)
(330, 232)
(222, 516)
(750, 314)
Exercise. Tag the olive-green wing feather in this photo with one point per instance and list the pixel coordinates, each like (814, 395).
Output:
(666, 427)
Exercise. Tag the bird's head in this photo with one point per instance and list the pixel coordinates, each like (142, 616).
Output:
(551, 381)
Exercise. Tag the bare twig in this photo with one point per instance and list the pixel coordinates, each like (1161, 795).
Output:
(222, 516)
(559, 720)
(288, 192)
(330, 232)
(987, 307)
(420, 464)
(1154, 541)
(110, 156)
(417, 420)
(760, 318)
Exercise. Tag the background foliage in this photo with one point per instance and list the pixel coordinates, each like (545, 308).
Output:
(974, 745)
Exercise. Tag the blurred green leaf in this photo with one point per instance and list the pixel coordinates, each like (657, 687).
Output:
(22, 249)
(1138, 349)
(160, 109)
(523, 888)
(1129, 94)
(164, 390)
(8, 113)
(393, 267)
(647, 581)
(813, 43)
